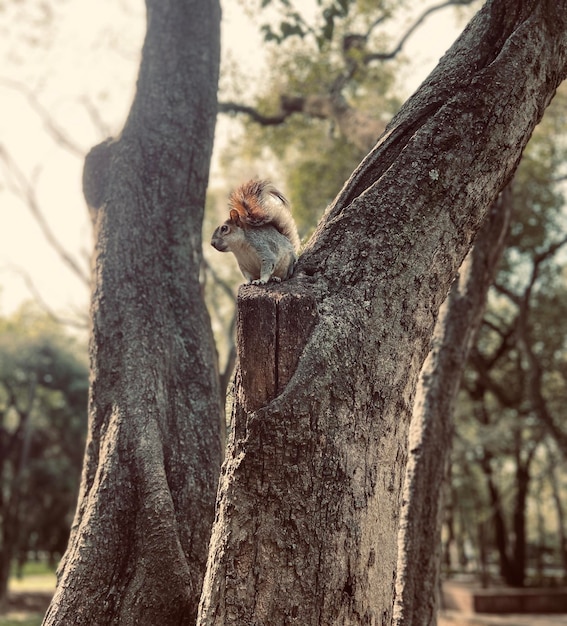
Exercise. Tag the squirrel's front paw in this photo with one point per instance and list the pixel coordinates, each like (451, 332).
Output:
(258, 281)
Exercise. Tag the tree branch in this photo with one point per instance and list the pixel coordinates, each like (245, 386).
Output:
(254, 114)
(538, 259)
(333, 105)
(24, 189)
(55, 131)
(38, 298)
(98, 122)
(388, 56)
(534, 370)
(357, 127)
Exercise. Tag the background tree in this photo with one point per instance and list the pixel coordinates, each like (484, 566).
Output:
(506, 417)
(139, 539)
(431, 430)
(432, 422)
(43, 401)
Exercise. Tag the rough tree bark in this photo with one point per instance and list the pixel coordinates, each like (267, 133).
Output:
(139, 540)
(431, 429)
(308, 505)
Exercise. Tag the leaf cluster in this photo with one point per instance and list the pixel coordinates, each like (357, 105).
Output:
(43, 407)
(293, 23)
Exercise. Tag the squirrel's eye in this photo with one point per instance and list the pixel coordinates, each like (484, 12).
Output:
(224, 229)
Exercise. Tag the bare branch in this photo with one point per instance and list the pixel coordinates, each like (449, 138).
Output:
(218, 280)
(81, 322)
(56, 132)
(375, 24)
(26, 191)
(357, 127)
(98, 122)
(549, 251)
(254, 114)
(523, 333)
(387, 56)
(507, 340)
(534, 379)
(538, 259)
(485, 381)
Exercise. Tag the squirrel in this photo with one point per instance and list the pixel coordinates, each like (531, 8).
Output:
(260, 232)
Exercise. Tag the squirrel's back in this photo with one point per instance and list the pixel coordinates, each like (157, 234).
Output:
(260, 232)
(258, 203)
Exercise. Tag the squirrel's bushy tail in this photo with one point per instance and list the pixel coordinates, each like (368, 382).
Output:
(259, 203)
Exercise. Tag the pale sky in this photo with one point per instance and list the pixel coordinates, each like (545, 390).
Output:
(91, 50)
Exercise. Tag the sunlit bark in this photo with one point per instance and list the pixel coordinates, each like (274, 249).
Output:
(309, 500)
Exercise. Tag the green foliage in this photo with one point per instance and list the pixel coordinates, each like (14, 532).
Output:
(43, 404)
(32, 571)
(19, 619)
(500, 432)
(298, 19)
(293, 23)
(312, 158)
(314, 184)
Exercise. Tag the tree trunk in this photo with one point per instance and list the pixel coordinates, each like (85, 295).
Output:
(523, 478)
(308, 509)
(6, 555)
(419, 558)
(560, 512)
(518, 570)
(14, 458)
(498, 521)
(139, 540)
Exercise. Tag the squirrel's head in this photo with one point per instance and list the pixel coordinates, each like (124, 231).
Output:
(228, 234)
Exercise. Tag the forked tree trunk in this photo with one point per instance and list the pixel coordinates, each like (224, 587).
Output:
(431, 430)
(139, 540)
(308, 509)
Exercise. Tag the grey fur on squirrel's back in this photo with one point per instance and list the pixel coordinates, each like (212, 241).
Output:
(274, 205)
(267, 244)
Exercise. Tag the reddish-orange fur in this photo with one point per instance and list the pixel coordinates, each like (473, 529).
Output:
(246, 201)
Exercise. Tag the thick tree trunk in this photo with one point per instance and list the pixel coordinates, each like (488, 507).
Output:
(139, 540)
(419, 558)
(308, 508)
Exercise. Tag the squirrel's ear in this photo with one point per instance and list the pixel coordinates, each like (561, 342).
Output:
(235, 217)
